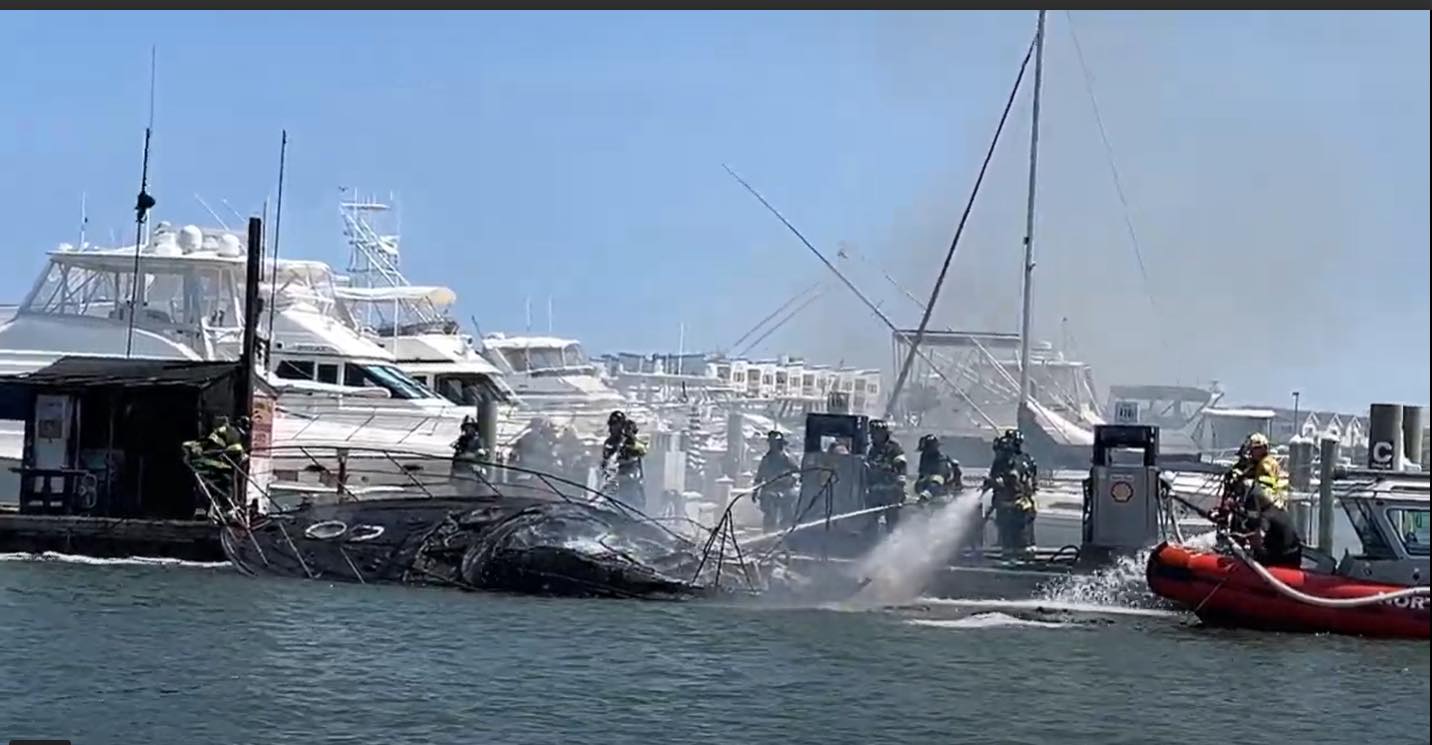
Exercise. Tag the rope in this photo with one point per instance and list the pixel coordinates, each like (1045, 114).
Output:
(1302, 597)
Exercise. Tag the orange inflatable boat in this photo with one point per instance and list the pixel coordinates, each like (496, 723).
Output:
(1225, 590)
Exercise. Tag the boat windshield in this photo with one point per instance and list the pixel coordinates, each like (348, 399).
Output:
(1359, 513)
(177, 290)
(459, 388)
(1412, 528)
(396, 382)
(530, 359)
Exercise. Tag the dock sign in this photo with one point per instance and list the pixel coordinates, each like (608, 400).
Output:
(1380, 454)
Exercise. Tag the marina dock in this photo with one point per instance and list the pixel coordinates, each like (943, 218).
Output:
(110, 537)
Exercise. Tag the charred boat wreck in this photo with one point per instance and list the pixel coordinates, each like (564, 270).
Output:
(368, 517)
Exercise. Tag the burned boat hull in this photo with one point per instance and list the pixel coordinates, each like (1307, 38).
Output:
(504, 544)
(309, 544)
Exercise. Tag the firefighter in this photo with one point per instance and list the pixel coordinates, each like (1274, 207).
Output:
(937, 475)
(885, 469)
(622, 456)
(214, 458)
(573, 456)
(467, 451)
(1268, 529)
(1012, 481)
(616, 427)
(536, 449)
(1256, 464)
(777, 475)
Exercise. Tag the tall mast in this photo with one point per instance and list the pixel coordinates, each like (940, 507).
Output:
(1029, 224)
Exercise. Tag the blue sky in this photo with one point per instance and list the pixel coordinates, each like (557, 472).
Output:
(1275, 164)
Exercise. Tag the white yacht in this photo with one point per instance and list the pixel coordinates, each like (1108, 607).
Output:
(334, 386)
(543, 376)
(553, 377)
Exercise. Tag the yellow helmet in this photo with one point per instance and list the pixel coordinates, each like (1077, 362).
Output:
(1257, 440)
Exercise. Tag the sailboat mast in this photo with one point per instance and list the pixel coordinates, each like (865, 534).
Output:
(1029, 223)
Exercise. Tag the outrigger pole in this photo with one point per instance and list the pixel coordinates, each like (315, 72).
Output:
(872, 306)
(904, 371)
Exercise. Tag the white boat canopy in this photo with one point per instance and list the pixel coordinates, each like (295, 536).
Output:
(438, 296)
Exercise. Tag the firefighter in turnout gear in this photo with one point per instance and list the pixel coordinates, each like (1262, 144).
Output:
(885, 472)
(616, 426)
(1258, 465)
(1013, 480)
(1255, 470)
(536, 449)
(214, 458)
(573, 455)
(467, 452)
(937, 475)
(777, 473)
(622, 455)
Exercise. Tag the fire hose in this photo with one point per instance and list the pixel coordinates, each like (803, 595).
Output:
(1302, 597)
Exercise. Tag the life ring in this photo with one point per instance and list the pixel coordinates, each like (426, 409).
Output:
(361, 533)
(326, 530)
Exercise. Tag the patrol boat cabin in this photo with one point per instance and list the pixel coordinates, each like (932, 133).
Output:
(1389, 512)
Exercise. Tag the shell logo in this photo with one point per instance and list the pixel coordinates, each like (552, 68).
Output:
(1121, 491)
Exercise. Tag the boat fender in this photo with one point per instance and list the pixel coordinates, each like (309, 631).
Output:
(326, 530)
(361, 533)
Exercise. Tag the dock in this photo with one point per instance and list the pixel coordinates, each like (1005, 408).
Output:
(110, 537)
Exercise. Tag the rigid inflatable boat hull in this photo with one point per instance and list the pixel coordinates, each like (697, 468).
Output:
(1222, 590)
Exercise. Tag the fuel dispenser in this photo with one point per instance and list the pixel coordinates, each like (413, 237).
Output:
(1122, 494)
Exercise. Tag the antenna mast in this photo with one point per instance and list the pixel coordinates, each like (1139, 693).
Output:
(1029, 225)
(141, 216)
(273, 271)
(84, 220)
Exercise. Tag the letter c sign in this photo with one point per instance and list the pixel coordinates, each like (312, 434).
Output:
(1382, 453)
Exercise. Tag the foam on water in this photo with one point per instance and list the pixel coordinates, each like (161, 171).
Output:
(1035, 604)
(901, 565)
(987, 621)
(56, 556)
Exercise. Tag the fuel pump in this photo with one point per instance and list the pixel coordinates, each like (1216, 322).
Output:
(1121, 495)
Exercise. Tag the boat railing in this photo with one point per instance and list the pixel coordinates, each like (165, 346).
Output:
(291, 477)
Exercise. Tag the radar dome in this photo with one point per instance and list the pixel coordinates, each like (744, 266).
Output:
(66, 247)
(166, 245)
(229, 245)
(190, 238)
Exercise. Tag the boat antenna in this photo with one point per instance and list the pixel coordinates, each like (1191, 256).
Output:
(792, 300)
(756, 343)
(141, 213)
(211, 211)
(858, 294)
(84, 220)
(277, 223)
(929, 308)
(1028, 294)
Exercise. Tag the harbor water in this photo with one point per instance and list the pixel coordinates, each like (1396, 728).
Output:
(133, 651)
